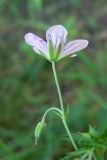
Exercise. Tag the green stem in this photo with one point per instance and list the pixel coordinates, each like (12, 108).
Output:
(94, 157)
(100, 155)
(51, 109)
(90, 156)
(58, 88)
(62, 107)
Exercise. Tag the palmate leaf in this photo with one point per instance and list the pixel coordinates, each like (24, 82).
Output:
(103, 135)
(82, 139)
(75, 154)
(92, 140)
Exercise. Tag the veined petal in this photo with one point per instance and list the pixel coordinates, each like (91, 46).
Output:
(57, 34)
(74, 46)
(31, 39)
(39, 45)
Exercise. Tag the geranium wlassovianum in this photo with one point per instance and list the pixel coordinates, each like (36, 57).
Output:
(55, 47)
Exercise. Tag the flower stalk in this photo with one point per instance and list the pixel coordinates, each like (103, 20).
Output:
(58, 111)
(62, 107)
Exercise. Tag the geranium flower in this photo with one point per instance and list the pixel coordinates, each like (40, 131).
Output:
(55, 47)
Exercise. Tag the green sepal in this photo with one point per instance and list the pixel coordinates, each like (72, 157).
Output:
(58, 51)
(38, 130)
(51, 50)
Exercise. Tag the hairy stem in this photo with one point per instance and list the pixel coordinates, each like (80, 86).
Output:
(62, 107)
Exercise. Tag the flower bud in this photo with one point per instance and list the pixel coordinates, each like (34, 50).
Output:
(38, 130)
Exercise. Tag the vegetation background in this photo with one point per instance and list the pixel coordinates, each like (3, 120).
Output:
(26, 82)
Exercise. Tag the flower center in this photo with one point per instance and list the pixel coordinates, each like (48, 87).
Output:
(54, 52)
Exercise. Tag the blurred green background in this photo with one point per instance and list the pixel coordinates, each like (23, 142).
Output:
(27, 87)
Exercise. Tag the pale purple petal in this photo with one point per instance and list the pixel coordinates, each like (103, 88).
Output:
(57, 34)
(74, 46)
(39, 45)
(31, 39)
